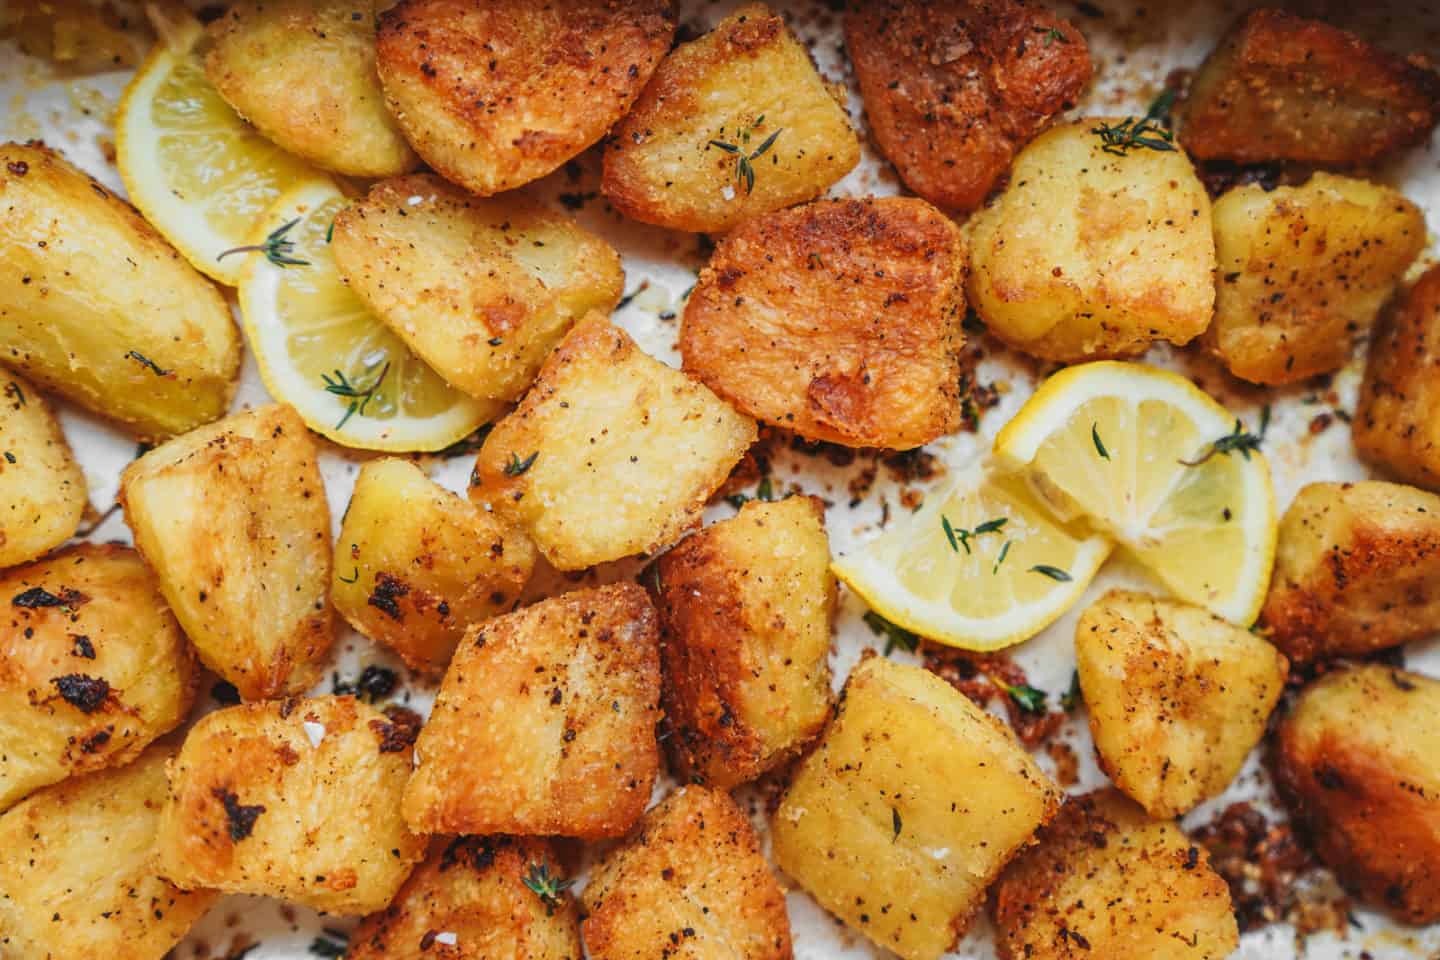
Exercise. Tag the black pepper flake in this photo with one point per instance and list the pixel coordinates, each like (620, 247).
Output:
(374, 684)
(241, 817)
(388, 590)
(398, 731)
(96, 741)
(37, 597)
(82, 692)
(81, 646)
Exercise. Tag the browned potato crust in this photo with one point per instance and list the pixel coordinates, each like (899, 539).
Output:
(1359, 760)
(92, 666)
(839, 320)
(1395, 426)
(42, 489)
(1281, 87)
(494, 95)
(692, 884)
(298, 799)
(952, 90)
(1357, 569)
(545, 723)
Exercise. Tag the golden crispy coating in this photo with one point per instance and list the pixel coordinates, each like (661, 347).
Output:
(545, 723)
(1394, 425)
(42, 489)
(839, 320)
(952, 90)
(497, 94)
(735, 124)
(92, 666)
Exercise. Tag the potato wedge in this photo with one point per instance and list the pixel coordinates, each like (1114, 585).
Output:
(1393, 424)
(495, 95)
(101, 309)
(234, 521)
(76, 36)
(735, 124)
(93, 667)
(482, 290)
(42, 489)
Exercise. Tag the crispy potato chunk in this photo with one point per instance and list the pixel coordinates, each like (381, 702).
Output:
(100, 308)
(42, 489)
(1304, 272)
(560, 700)
(92, 666)
(480, 289)
(470, 901)
(1091, 254)
(233, 519)
(1394, 426)
(497, 94)
(1281, 87)
(610, 454)
(735, 124)
(1357, 569)
(1177, 697)
(1359, 761)
(1105, 880)
(692, 884)
(952, 90)
(839, 320)
(298, 799)
(747, 607)
(77, 877)
(874, 827)
(74, 35)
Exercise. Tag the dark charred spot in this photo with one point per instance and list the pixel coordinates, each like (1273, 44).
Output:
(225, 693)
(82, 647)
(385, 597)
(241, 817)
(84, 693)
(38, 597)
(398, 731)
(96, 741)
(18, 167)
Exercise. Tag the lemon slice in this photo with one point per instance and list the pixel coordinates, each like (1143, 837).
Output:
(199, 174)
(1131, 450)
(982, 566)
(322, 351)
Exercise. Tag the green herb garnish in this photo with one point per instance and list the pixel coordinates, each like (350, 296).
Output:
(961, 538)
(359, 399)
(145, 361)
(1026, 697)
(894, 634)
(895, 824)
(546, 886)
(744, 158)
(276, 247)
(1052, 35)
(1054, 573)
(1237, 440)
(1072, 698)
(1099, 444)
(1151, 132)
(1004, 552)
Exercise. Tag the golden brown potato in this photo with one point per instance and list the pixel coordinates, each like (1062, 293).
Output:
(77, 876)
(952, 90)
(42, 489)
(911, 805)
(1093, 250)
(74, 35)
(476, 899)
(545, 723)
(1357, 569)
(692, 884)
(497, 94)
(1281, 87)
(233, 519)
(1394, 426)
(1177, 697)
(298, 799)
(100, 308)
(480, 289)
(735, 124)
(1105, 880)
(303, 72)
(92, 666)
(610, 454)
(839, 320)
(1359, 760)
(1303, 273)
(746, 606)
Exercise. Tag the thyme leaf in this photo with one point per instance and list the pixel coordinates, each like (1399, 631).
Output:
(517, 467)
(894, 634)
(145, 361)
(1237, 440)
(1054, 573)
(278, 249)
(745, 158)
(1099, 444)
(546, 886)
(1072, 698)
(1026, 697)
(341, 386)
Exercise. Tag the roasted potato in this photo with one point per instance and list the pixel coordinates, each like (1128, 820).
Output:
(1281, 87)
(77, 36)
(42, 489)
(1357, 569)
(480, 289)
(1304, 271)
(1177, 697)
(92, 667)
(1393, 426)
(234, 521)
(839, 320)
(746, 608)
(298, 799)
(1358, 758)
(952, 90)
(692, 884)
(558, 702)
(77, 877)
(735, 124)
(610, 454)
(911, 805)
(1094, 250)
(100, 308)
(497, 94)
(1105, 880)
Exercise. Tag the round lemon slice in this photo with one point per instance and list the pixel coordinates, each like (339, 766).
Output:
(1149, 460)
(322, 351)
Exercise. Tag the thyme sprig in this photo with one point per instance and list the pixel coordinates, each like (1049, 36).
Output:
(744, 157)
(145, 361)
(1054, 573)
(278, 249)
(546, 886)
(1237, 440)
(1151, 132)
(894, 634)
(341, 386)
(516, 467)
(961, 538)
(1027, 698)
